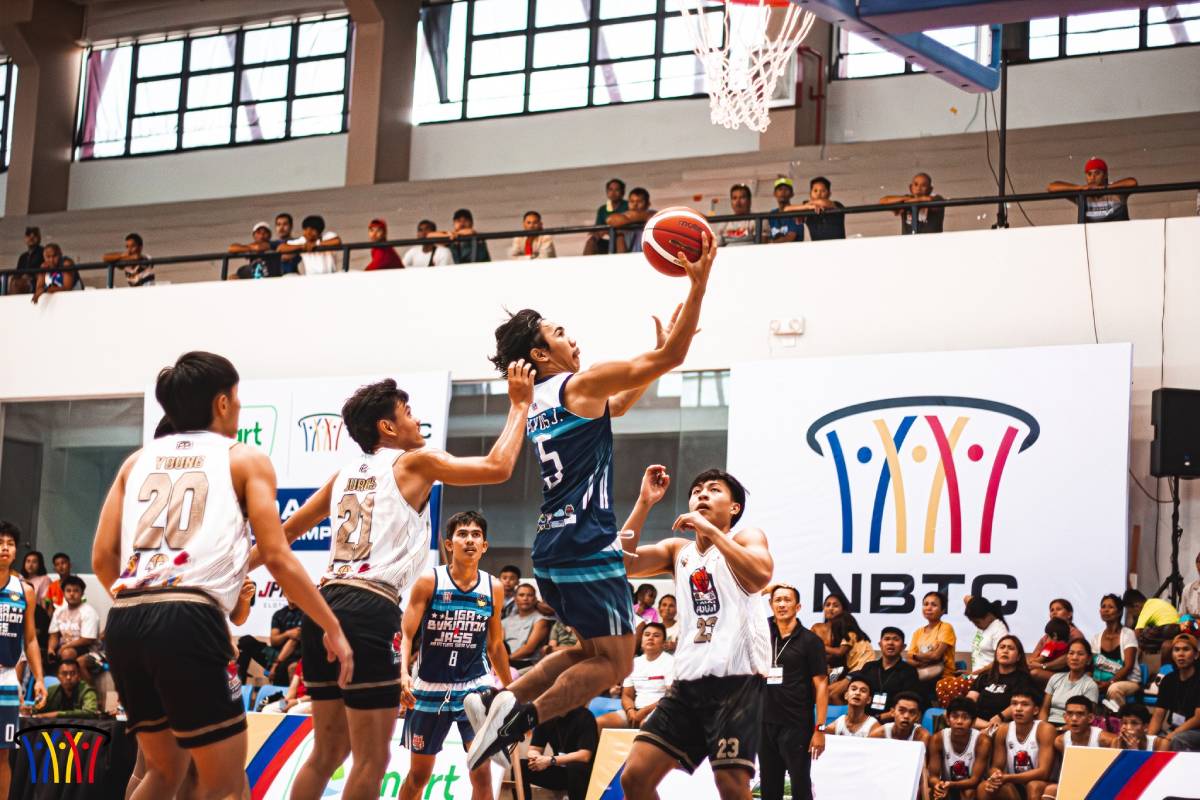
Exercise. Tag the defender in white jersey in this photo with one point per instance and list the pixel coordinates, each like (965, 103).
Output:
(1022, 752)
(958, 755)
(713, 709)
(172, 545)
(1079, 711)
(379, 504)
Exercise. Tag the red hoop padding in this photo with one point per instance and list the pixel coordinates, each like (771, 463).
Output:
(771, 3)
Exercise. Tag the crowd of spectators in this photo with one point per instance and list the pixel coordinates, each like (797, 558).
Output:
(277, 252)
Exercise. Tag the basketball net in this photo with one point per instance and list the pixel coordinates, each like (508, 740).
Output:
(745, 58)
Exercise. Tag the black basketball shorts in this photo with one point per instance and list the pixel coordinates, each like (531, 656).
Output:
(371, 622)
(715, 718)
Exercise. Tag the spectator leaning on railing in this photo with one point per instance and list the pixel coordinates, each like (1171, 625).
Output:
(28, 262)
(929, 220)
(381, 257)
(263, 262)
(597, 242)
(288, 264)
(52, 278)
(738, 232)
(534, 245)
(634, 219)
(466, 251)
(1098, 208)
(828, 222)
(314, 236)
(781, 227)
(139, 269)
(427, 255)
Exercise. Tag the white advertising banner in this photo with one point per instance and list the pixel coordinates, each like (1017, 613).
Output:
(999, 473)
(298, 424)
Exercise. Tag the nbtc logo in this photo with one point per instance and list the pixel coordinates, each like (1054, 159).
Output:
(322, 432)
(928, 455)
(62, 753)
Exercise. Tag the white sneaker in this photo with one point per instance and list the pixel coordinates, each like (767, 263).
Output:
(486, 742)
(477, 710)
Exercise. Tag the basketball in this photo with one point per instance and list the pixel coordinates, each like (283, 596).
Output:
(671, 231)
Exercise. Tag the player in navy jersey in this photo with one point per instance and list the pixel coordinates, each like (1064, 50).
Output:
(576, 555)
(455, 610)
(17, 633)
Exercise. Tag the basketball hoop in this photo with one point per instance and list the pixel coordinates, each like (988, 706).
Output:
(744, 60)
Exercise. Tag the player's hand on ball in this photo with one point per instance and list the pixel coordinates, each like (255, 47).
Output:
(655, 483)
(520, 382)
(698, 271)
(337, 648)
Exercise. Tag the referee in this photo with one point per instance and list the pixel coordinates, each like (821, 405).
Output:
(797, 681)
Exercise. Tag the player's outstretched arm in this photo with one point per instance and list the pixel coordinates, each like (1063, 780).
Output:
(315, 509)
(604, 380)
(497, 654)
(497, 466)
(106, 549)
(745, 552)
(642, 560)
(410, 625)
(254, 475)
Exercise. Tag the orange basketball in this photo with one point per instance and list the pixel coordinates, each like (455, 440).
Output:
(671, 231)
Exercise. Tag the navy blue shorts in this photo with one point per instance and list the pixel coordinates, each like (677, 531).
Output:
(590, 594)
(10, 704)
(425, 731)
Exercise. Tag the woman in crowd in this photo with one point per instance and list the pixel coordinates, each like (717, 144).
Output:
(33, 569)
(1041, 670)
(1062, 686)
(988, 618)
(667, 610)
(931, 649)
(1116, 655)
(844, 639)
(994, 686)
(643, 605)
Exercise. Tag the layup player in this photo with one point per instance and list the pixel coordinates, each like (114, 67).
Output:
(576, 556)
(172, 545)
(380, 505)
(713, 709)
(455, 609)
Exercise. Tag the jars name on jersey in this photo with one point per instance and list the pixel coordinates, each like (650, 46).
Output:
(456, 629)
(704, 592)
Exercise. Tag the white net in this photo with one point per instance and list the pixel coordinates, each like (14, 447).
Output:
(746, 55)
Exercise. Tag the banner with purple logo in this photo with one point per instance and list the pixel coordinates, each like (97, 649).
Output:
(999, 473)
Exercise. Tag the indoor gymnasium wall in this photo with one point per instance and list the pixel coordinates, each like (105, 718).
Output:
(964, 290)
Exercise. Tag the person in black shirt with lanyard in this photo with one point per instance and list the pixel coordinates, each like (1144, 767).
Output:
(797, 680)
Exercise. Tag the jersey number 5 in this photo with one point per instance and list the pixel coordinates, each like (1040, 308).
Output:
(356, 516)
(161, 494)
(549, 457)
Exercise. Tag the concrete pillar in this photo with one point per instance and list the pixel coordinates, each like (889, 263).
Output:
(804, 123)
(381, 90)
(42, 38)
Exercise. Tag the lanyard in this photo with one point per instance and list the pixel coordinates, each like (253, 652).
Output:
(779, 653)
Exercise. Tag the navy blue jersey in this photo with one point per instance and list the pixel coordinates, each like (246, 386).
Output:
(576, 455)
(454, 630)
(12, 621)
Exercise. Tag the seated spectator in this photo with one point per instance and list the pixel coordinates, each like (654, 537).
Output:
(653, 673)
(633, 220)
(990, 627)
(1190, 603)
(847, 647)
(314, 235)
(959, 755)
(289, 263)
(1102, 207)
(139, 270)
(263, 262)
(826, 222)
(1078, 732)
(993, 689)
(889, 675)
(33, 568)
(28, 263)
(856, 721)
(525, 630)
(1022, 752)
(464, 250)
(931, 650)
(906, 726)
(381, 257)
(782, 228)
(1076, 681)
(929, 220)
(574, 738)
(75, 624)
(52, 278)
(533, 245)
(282, 648)
(427, 255)
(1156, 620)
(1116, 664)
(70, 698)
(1177, 715)
(597, 241)
(510, 579)
(1135, 719)
(643, 603)
(738, 232)
(1050, 656)
(562, 637)
(297, 700)
(62, 568)
(667, 609)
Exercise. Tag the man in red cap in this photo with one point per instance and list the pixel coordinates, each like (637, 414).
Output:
(382, 257)
(1098, 208)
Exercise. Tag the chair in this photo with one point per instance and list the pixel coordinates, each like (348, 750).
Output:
(930, 718)
(246, 691)
(604, 705)
(833, 712)
(266, 692)
(49, 681)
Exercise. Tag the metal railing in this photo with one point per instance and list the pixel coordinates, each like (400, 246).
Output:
(760, 219)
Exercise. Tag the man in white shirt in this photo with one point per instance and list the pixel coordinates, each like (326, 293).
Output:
(314, 235)
(427, 255)
(75, 624)
(1190, 604)
(653, 673)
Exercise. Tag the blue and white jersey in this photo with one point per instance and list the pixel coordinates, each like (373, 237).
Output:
(453, 657)
(12, 621)
(576, 455)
